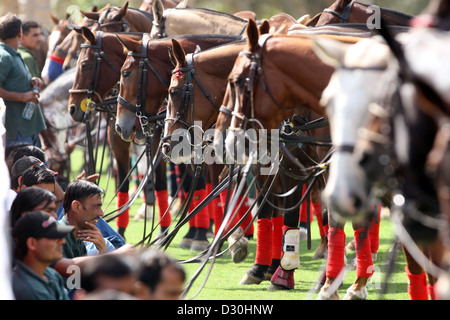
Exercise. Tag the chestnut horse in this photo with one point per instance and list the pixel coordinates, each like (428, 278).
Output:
(349, 11)
(209, 84)
(280, 89)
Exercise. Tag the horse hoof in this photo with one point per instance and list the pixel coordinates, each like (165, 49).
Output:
(240, 252)
(250, 279)
(282, 280)
(199, 245)
(320, 253)
(324, 295)
(356, 295)
(185, 243)
(275, 287)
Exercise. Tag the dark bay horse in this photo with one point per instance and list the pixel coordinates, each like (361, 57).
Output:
(349, 11)
(298, 85)
(376, 164)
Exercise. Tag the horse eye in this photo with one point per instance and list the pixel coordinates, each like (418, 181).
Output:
(174, 91)
(126, 73)
(84, 66)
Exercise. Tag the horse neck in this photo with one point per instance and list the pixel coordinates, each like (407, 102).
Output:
(297, 84)
(138, 21)
(182, 21)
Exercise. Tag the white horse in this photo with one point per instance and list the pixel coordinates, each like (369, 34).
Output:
(364, 73)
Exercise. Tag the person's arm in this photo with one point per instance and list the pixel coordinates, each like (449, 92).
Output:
(18, 96)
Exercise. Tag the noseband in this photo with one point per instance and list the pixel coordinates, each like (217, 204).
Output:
(139, 109)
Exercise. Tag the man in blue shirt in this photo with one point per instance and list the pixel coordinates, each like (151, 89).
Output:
(39, 240)
(16, 86)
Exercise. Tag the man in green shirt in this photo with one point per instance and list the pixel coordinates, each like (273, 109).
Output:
(39, 240)
(31, 40)
(16, 86)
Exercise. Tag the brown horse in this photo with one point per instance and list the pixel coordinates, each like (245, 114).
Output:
(349, 11)
(208, 88)
(158, 77)
(272, 101)
(177, 21)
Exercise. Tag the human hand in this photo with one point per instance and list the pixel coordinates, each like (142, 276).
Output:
(93, 235)
(92, 178)
(37, 82)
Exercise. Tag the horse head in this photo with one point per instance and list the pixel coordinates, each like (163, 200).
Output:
(97, 70)
(347, 99)
(130, 79)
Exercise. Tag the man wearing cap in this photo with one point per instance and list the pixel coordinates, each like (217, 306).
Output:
(39, 240)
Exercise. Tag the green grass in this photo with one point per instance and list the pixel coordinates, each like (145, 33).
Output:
(223, 282)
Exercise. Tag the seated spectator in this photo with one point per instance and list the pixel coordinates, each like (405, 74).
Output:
(32, 199)
(37, 177)
(38, 240)
(159, 277)
(107, 272)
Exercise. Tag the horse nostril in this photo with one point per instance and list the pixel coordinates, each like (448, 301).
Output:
(166, 149)
(118, 129)
(72, 109)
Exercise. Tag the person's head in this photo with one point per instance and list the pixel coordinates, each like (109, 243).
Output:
(107, 272)
(10, 152)
(30, 150)
(10, 27)
(20, 166)
(32, 199)
(83, 203)
(38, 237)
(159, 277)
(31, 35)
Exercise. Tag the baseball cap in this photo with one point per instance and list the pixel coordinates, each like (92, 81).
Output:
(39, 224)
(25, 163)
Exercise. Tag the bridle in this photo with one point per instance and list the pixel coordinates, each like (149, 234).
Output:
(255, 74)
(99, 56)
(187, 92)
(345, 14)
(139, 109)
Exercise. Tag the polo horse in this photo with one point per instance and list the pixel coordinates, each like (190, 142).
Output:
(279, 100)
(349, 11)
(147, 5)
(355, 176)
(141, 97)
(179, 20)
(200, 72)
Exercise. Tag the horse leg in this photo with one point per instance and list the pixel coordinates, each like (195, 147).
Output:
(263, 258)
(335, 260)
(319, 213)
(121, 152)
(417, 279)
(162, 196)
(200, 241)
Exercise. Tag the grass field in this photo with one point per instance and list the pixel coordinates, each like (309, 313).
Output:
(223, 282)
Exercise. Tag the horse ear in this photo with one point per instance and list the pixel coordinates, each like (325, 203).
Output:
(54, 19)
(264, 27)
(171, 56)
(252, 35)
(158, 10)
(128, 44)
(122, 12)
(330, 51)
(304, 19)
(178, 53)
(88, 35)
(182, 4)
(77, 29)
(90, 15)
(94, 9)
